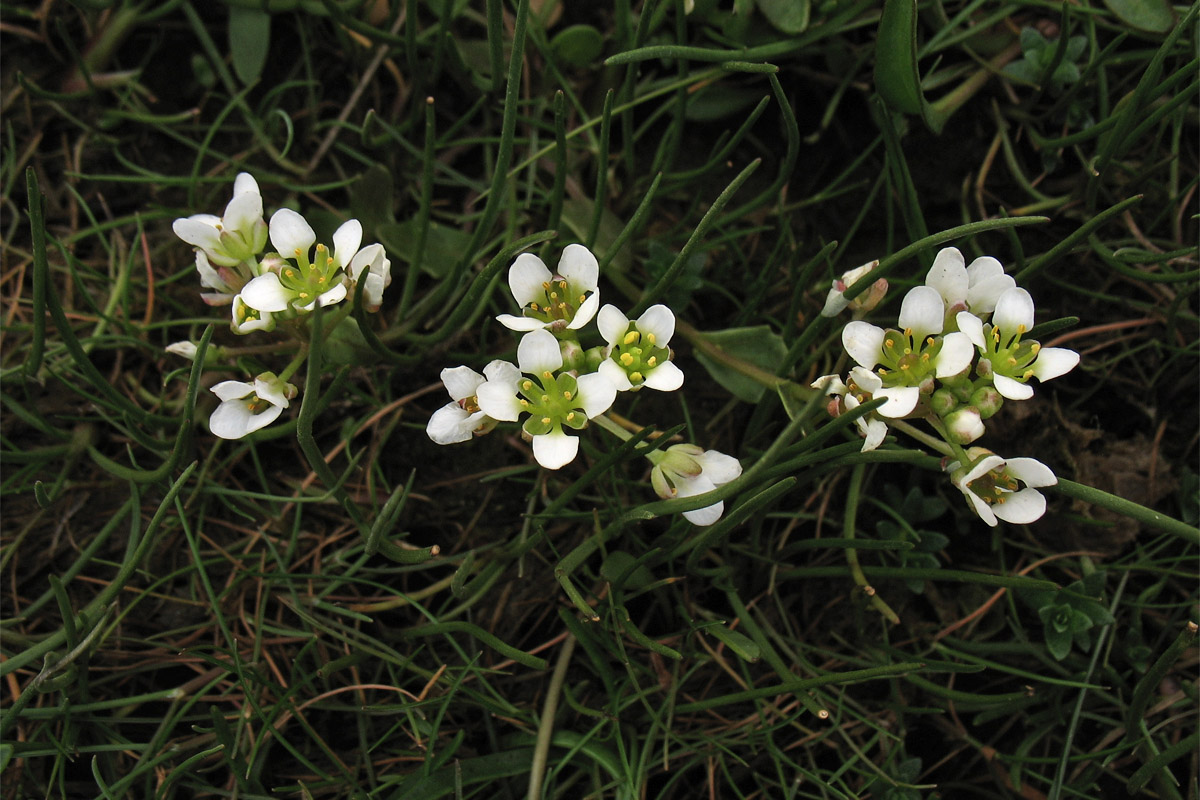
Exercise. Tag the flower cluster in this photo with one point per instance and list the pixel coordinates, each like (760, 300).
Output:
(266, 288)
(957, 353)
(557, 387)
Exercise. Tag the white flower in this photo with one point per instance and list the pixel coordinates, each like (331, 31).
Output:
(246, 407)
(863, 386)
(567, 299)
(637, 353)
(372, 262)
(974, 287)
(309, 283)
(685, 470)
(462, 419)
(1010, 361)
(234, 238)
(912, 356)
(551, 401)
(836, 302)
(990, 484)
(247, 320)
(185, 348)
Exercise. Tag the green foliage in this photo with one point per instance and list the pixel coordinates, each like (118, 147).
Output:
(1042, 62)
(1069, 614)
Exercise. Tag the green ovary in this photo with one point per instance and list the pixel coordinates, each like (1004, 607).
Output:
(637, 354)
(551, 402)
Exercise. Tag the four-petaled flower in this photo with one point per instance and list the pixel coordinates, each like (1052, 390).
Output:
(246, 407)
(911, 357)
(973, 287)
(836, 302)
(551, 401)
(1009, 361)
(234, 238)
(847, 397)
(372, 266)
(568, 299)
(637, 352)
(462, 419)
(302, 287)
(685, 470)
(990, 483)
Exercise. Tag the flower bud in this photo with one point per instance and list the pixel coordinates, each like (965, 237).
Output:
(964, 425)
(987, 400)
(942, 402)
(573, 356)
(185, 348)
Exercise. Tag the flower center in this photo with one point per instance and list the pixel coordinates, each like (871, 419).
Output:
(309, 280)
(1009, 355)
(551, 402)
(558, 301)
(638, 354)
(906, 361)
(993, 487)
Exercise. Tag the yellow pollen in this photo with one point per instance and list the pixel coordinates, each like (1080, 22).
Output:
(651, 361)
(626, 359)
(534, 306)
(527, 385)
(1021, 329)
(562, 285)
(1035, 347)
(524, 403)
(908, 351)
(904, 367)
(298, 253)
(889, 343)
(563, 307)
(566, 395)
(925, 357)
(322, 279)
(928, 340)
(1012, 362)
(545, 398)
(546, 285)
(1028, 374)
(650, 338)
(554, 295)
(545, 420)
(570, 416)
(291, 273)
(321, 249)
(631, 337)
(304, 295)
(882, 372)
(635, 377)
(582, 297)
(546, 374)
(908, 332)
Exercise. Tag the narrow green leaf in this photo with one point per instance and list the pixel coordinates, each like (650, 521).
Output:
(896, 77)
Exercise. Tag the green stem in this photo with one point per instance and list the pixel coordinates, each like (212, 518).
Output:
(852, 500)
(537, 769)
(1128, 508)
(612, 427)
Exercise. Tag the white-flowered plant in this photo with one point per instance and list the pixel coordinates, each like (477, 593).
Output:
(568, 298)
(685, 470)
(957, 353)
(992, 485)
(637, 354)
(551, 399)
(247, 407)
(265, 289)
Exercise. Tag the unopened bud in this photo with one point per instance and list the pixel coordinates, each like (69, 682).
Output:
(987, 400)
(573, 356)
(964, 425)
(942, 402)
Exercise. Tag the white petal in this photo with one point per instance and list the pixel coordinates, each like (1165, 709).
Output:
(660, 321)
(1014, 312)
(232, 390)
(615, 375)
(199, 230)
(499, 400)
(243, 211)
(334, 296)
(527, 278)
(244, 183)
(981, 468)
(988, 282)
(555, 449)
(981, 508)
(502, 371)
(866, 380)
(666, 377)
(901, 401)
(830, 384)
(520, 323)
(1030, 472)
(923, 311)
(209, 277)
(451, 424)
(706, 516)
(948, 276)
(266, 293)
(864, 342)
(461, 382)
(1053, 362)
(538, 352)
(596, 394)
(835, 303)
(579, 267)
(612, 324)
(718, 467)
(956, 354)
(346, 240)
(1021, 507)
(1010, 389)
(233, 419)
(585, 312)
(972, 326)
(290, 232)
(875, 433)
(270, 388)
(370, 256)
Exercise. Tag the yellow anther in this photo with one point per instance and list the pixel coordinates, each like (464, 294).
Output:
(908, 351)
(299, 252)
(524, 403)
(1021, 329)
(904, 367)
(527, 385)
(1035, 347)
(322, 279)
(562, 307)
(626, 359)
(1028, 374)
(547, 374)
(651, 361)
(882, 372)
(566, 395)
(554, 295)
(889, 342)
(321, 248)
(582, 298)
(928, 340)
(546, 285)
(545, 420)
(304, 295)
(650, 338)
(545, 398)
(631, 337)
(925, 357)
(635, 377)
(908, 332)
(562, 285)
(570, 416)
(534, 307)
(1012, 362)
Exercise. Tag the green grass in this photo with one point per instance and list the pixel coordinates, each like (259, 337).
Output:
(336, 607)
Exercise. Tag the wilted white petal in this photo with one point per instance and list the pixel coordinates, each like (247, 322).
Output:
(579, 267)
(864, 342)
(291, 233)
(659, 321)
(555, 449)
(956, 354)
(1011, 389)
(527, 278)
(901, 400)
(948, 276)
(666, 377)
(461, 382)
(538, 352)
(1014, 313)
(922, 311)
(451, 424)
(1030, 472)
(612, 324)
(185, 348)
(596, 393)
(830, 384)
(1054, 361)
(1021, 507)
(972, 326)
